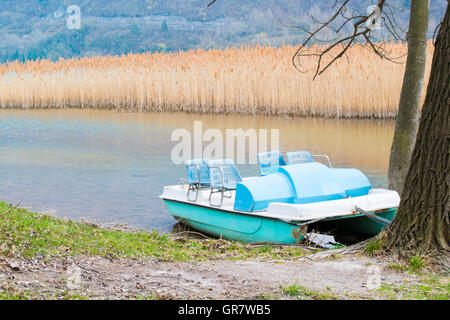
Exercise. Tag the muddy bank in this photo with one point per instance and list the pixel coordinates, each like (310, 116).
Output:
(347, 277)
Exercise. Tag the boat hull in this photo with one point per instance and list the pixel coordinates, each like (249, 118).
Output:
(253, 228)
(358, 224)
(234, 226)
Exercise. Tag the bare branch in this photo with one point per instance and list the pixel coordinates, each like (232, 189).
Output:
(362, 26)
(361, 34)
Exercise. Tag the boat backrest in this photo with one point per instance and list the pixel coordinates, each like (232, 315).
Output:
(270, 161)
(297, 157)
(223, 173)
(198, 171)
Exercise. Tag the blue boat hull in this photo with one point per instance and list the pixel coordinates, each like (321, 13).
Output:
(234, 226)
(253, 228)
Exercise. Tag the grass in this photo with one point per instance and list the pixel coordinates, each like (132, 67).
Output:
(428, 289)
(415, 264)
(9, 292)
(304, 293)
(398, 267)
(246, 80)
(28, 234)
(374, 246)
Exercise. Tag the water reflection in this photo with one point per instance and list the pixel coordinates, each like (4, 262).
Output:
(111, 166)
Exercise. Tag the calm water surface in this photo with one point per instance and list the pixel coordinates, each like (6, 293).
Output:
(111, 166)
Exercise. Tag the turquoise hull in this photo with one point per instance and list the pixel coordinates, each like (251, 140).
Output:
(253, 228)
(360, 224)
(234, 226)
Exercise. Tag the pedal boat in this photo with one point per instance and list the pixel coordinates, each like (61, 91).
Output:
(278, 206)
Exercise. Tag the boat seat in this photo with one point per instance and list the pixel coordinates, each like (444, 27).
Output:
(270, 161)
(197, 176)
(224, 177)
(297, 157)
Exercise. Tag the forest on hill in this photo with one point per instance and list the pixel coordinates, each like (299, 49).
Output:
(32, 29)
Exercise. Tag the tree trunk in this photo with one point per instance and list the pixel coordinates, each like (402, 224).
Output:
(409, 106)
(422, 220)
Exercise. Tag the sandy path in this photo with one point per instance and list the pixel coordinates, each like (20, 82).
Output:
(127, 278)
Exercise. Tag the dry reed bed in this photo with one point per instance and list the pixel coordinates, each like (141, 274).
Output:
(234, 80)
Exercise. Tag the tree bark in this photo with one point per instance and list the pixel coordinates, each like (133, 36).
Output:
(409, 106)
(422, 220)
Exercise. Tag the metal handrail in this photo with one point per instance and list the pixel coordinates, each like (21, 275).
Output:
(323, 156)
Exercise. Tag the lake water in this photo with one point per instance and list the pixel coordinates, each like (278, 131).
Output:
(111, 166)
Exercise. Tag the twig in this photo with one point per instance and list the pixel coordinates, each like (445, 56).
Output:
(8, 211)
(188, 232)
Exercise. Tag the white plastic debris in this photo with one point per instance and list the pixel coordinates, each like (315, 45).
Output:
(322, 240)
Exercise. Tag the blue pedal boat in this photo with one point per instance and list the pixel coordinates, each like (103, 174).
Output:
(277, 206)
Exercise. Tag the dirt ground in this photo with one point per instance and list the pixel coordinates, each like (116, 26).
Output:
(347, 276)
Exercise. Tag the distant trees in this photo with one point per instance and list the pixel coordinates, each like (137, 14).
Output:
(164, 27)
(228, 22)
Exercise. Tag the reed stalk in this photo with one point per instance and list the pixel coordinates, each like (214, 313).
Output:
(249, 80)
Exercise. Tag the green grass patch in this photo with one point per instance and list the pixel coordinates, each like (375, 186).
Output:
(9, 292)
(304, 293)
(14, 295)
(373, 246)
(428, 287)
(417, 291)
(398, 267)
(28, 234)
(416, 263)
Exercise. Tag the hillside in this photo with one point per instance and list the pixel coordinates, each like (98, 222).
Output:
(34, 29)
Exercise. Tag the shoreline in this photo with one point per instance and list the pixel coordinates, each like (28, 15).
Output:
(207, 112)
(44, 257)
